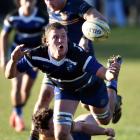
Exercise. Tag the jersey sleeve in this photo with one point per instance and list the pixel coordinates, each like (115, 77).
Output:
(91, 65)
(24, 64)
(82, 7)
(7, 27)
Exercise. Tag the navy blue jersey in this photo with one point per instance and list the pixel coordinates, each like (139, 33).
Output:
(72, 17)
(73, 72)
(28, 29)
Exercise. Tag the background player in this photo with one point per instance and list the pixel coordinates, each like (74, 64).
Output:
(28, 23)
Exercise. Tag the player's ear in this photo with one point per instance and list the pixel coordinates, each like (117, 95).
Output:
(44, 40)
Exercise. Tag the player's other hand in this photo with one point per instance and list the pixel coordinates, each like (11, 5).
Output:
(110, 132)
(18, 52)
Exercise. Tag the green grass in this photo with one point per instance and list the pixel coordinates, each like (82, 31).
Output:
(125, 42)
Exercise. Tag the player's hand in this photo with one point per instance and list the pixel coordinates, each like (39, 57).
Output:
(110, 132)
(113, 71)
(18, 52)
(83, 43)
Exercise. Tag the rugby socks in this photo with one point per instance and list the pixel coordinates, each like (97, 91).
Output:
(18, 110)
(112, 84)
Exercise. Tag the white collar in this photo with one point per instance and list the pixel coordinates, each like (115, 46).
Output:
(54, 61)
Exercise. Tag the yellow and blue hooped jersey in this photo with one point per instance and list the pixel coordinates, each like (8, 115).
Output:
(72, 17)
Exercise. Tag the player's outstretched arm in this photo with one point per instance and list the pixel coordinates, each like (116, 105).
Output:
(92, 14)
(109, 73)
(11, 67)
(87, 124)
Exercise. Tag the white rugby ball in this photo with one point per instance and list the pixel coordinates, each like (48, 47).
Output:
(96, 30)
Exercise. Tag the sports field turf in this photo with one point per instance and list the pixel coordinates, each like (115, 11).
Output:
(125, 42)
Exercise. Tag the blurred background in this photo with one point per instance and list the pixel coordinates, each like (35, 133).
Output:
(119, 12)
(124, 19)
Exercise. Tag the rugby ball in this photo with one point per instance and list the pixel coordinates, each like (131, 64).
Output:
(96, 30)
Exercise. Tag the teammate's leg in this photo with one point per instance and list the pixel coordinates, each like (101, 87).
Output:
(63, 116)
(45, 97)
(27, 83)
(16, 101)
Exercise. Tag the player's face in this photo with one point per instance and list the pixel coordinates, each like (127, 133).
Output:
(57, 43)
(27, 5)
(54, 5)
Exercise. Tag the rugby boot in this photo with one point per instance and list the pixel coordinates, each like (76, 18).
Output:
(19, 123)
(12, 119)
(118, 110)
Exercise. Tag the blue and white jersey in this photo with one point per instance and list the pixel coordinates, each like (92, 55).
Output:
(76, 70)
(72, 17)
(28, 29)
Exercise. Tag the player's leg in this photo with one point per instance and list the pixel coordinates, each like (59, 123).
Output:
(28, 80)
(45, 97)
(16, 103)
(96, 96)
(27, 83)
(114, 99)
(63, 114)
(64, 108)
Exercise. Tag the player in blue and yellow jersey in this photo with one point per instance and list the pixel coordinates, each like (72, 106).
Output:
(72, 14)
(28, 22)
(77, 76)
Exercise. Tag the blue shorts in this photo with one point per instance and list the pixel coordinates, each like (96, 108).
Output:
(32, 73)
(95, 94)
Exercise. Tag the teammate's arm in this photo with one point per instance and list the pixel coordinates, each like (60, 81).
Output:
(92, 13)
(88, 125)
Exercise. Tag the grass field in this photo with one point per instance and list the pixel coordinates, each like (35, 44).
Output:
(125, 42)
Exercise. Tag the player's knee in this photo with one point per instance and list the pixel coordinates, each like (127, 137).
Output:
(104, 118)
(61, 135)
(64, 121)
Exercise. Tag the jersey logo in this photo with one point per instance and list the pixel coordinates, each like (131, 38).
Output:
(70, 67)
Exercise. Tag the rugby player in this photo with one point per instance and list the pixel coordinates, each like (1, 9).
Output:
(83, 127)
(77, 76)
(28, 23)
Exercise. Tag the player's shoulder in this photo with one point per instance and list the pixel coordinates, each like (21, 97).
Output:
(76, 52)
